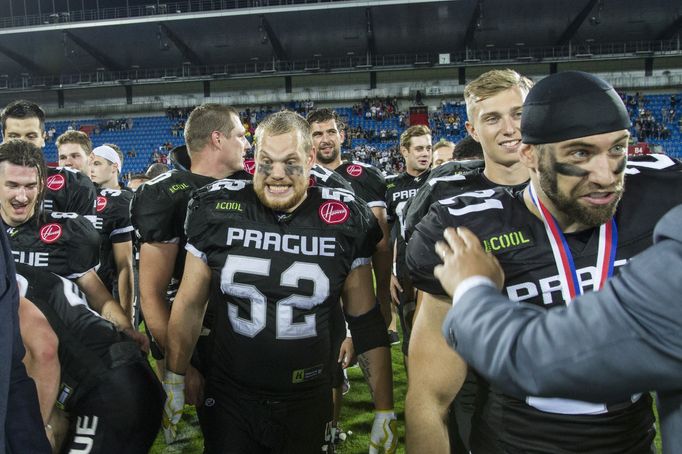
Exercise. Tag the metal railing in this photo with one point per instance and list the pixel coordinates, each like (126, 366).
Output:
(273, 67)
(150, 9)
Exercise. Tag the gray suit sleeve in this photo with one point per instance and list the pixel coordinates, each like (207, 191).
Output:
(603, 347)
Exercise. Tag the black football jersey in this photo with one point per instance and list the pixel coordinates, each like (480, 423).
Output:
(84, 336)
(159, 208)
(367, 181)
(280, 275)
(505, 226)
(321, 176)
(399, 190)
(112, 221)
(66, 244)
(69, 191)
(441, 186)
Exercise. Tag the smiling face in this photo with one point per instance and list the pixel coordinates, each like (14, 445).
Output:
(582, 179)
(495, 123)
(282, 171)
(19, 191)
(327, 140)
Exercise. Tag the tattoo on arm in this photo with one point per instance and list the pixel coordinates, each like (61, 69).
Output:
(366, 368)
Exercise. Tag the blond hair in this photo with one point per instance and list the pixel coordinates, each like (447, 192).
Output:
(491, 83)
(413, 131)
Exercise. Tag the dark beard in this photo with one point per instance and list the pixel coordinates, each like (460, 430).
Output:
(324, 160)
(284, 205)
(569, 205)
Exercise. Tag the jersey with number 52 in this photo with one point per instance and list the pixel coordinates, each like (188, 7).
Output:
(277, 276)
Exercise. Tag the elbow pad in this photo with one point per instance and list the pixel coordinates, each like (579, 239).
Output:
(368, 330)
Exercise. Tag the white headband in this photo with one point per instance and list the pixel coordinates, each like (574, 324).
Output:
(107, 153)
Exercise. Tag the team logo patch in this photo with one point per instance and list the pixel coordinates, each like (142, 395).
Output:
(354, 170)
(250, 166)
(49, 233)
(334, 212)
(311, 182)
(55, 182)
(101, 203)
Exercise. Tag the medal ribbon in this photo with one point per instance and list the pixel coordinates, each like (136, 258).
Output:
(606, 255)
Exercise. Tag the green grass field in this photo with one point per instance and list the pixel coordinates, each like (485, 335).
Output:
(356, 416)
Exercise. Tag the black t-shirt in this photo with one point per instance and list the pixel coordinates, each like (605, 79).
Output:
(66, 244)
(367, 181)
(112, 221)
(69, 191)
(501, 220)
(280, 276)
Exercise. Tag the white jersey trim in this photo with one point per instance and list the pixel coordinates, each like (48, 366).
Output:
(196, 252)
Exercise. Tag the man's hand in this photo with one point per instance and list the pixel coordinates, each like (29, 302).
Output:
(384, 437)
(194, 387)
(396, 289)
(174, 385)
(140, 339)
(463, 257)
(347, 353)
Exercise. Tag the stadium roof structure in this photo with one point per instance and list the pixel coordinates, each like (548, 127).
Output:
(119, 41)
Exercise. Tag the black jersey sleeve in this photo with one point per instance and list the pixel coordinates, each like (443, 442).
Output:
(69, 191)
(435, 187)
(82, 194)
(82, 245)
(153, 212)
(326, 178)
(421, 256)
(119, 215)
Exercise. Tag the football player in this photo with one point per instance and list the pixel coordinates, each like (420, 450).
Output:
(112, 399)
(415, 147)
(112, 221)
(279, 254)
(564, 234)
(494, 103)
(66, 190)
(64, 243)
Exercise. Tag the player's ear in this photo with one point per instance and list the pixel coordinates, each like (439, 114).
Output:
(471, 130)
(528, 155)
(311, 158)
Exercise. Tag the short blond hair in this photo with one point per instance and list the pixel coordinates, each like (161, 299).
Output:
(413, 131)
(77, 137)
(491, 83)
(285, 122)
